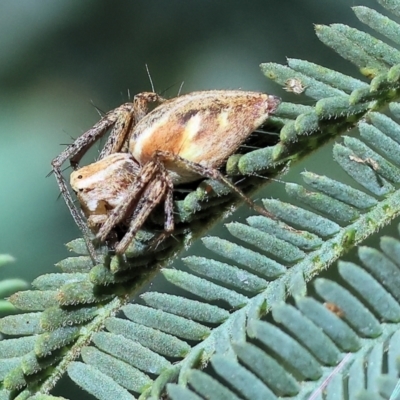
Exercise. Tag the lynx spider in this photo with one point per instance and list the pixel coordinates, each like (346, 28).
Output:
(181, 140)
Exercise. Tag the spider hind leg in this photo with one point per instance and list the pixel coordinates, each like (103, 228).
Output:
(212, 173)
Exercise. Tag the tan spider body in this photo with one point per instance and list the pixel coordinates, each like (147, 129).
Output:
(201, 127)
(146, 154)
(102, 186)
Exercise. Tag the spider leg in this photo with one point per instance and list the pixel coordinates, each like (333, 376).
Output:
(151, 197)
(147, 174)
(119, 133)
(75, 152)
(169, 222)
(212, 173)
(141, 103)
(129, 115)
(121, 119)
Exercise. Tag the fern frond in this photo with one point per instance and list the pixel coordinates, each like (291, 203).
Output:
(8, 287)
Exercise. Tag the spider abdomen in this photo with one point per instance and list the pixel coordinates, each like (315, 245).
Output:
(201, 127)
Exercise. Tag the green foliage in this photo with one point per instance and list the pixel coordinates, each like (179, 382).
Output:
(263, 319)
(8, 287)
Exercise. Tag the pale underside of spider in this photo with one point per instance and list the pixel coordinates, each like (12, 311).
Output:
(148, 153)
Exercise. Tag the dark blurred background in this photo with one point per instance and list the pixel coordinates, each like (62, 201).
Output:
(58, 59)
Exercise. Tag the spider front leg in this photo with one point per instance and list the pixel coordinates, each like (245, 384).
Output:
(119, 137)
(169, 220)
(121, 118)
(132, 196)
(141, 103)
(157, 189)
(212, 173)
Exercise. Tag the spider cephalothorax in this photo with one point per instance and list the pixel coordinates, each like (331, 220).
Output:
(181, 140)
(102, 186)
